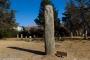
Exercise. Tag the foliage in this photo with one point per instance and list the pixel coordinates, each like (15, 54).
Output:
(77, 15)
(40, 20)
(7, 19)
(8, 33)
(36, 32)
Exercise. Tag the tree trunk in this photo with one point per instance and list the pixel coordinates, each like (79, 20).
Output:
(49, 30)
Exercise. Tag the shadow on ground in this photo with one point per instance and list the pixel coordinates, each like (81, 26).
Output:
(28, 50)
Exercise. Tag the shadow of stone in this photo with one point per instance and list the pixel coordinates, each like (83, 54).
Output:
(28, 50)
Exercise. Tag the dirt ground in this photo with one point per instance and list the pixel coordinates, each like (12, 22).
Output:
(12, 49)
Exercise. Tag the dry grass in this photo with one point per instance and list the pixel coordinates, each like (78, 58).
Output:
(11, 49)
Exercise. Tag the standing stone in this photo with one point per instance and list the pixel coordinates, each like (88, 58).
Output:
(26, 38)
(21, 36)
(71, 35)
(77, 34)
(30, 38)
(17, 36)
(49, 30)
(86, 34)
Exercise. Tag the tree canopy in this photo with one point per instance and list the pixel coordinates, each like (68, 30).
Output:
(77, 15)
(40, 20)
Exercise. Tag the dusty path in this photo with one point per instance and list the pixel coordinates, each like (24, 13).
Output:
(21, 50)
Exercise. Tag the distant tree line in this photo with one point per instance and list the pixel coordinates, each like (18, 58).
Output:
(77, 17)
(34, 32)
(76, 20)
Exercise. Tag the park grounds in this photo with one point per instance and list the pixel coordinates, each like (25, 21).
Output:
(22, 49)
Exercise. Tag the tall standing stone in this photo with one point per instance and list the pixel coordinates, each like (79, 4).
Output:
(86, 35)
(71, 35)
(21, 36)
(49, 30)
(17, 36)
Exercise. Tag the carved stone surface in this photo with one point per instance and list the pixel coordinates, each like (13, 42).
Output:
(49, 30)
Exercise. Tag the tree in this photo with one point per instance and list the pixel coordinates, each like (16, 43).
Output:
(40, 20)
(70, 17)
(83, 7)
(76, 15)
(7, 17)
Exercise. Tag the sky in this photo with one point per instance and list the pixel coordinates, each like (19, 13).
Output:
(27, 10)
